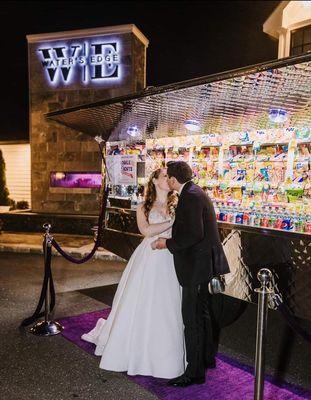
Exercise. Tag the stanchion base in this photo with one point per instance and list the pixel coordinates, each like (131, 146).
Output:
(46, 328)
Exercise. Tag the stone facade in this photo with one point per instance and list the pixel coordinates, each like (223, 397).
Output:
(57, 148)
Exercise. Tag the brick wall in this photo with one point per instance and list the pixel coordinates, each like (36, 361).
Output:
(57, 148)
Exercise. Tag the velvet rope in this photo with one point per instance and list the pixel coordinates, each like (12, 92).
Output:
(48, 277)
(47, 280)
(98, 239)
(290, 319)
(48, 242)
(99, 223)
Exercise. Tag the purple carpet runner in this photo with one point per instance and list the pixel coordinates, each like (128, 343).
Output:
(228, 381)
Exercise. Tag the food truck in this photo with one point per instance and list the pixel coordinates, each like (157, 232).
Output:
(246, 135)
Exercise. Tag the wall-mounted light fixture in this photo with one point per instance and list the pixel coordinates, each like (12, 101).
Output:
(133, 131)
(277, 115)
(192, 125)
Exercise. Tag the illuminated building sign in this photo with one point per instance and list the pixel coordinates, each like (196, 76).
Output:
(90, 61)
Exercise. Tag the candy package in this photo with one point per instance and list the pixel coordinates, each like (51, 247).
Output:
(303, 152)
(240, 153)
(301, 172)
(273, 153)
(177, 153)
(303, 133)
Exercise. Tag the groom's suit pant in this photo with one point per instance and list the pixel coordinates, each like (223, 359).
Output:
(199, 322)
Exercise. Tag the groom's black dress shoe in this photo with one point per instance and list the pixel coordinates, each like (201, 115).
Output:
(184, 381)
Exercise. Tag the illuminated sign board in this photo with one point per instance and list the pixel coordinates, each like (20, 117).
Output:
(88, 61)
(76, 179)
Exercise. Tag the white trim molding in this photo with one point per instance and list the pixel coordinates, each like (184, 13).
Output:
(288, 16)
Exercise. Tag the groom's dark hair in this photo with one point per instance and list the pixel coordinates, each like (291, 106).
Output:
(179, 170)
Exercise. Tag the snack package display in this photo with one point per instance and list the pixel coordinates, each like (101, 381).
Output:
(240, 153)
(272, 153)
(205, 173)
(177, 153)
(207, 153)
(155, 159)
(301, 173)
(261, 136)
(303, 133)
(303, 152)
(211, 139)
(277, 173)
(126, 148)
(253, 173)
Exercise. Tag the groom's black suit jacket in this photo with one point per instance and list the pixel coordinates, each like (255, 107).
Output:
(195, 243)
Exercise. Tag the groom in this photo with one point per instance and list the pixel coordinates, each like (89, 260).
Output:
(198, 256)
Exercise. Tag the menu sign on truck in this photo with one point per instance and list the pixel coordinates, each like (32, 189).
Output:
(122, 169)
(128, 169)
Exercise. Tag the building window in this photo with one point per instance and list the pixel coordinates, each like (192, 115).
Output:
(300, 40)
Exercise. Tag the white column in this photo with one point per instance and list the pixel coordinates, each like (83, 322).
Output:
(282, 43)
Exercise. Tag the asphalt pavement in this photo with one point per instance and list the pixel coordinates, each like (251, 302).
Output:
(44, 368)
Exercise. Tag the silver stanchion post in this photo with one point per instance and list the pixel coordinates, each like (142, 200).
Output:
(47, 327)
(264, 276)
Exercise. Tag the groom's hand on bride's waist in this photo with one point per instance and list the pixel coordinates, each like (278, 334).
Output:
(159, 244)
(154, 245)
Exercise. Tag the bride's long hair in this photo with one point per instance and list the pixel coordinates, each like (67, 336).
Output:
(151, 196)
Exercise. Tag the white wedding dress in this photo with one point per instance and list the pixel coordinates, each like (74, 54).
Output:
(143, 334)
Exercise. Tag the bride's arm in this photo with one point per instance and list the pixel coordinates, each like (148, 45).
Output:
(149, 230)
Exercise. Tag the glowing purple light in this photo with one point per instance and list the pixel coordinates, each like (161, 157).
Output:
(76, 179)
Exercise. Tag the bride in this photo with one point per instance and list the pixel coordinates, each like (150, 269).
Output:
(143, 334)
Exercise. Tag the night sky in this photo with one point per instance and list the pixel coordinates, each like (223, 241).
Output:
(187, 39)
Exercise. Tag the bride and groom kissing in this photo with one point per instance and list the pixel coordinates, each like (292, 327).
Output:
(161, 321)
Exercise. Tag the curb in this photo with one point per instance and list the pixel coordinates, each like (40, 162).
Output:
(74, 252)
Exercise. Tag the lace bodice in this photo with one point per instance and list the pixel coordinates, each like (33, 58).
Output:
(156, 217)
